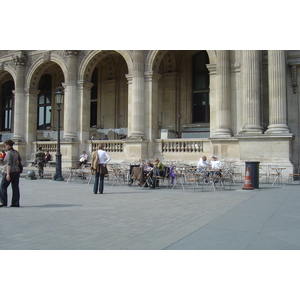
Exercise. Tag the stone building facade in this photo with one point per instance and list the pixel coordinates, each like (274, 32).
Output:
(241, 105)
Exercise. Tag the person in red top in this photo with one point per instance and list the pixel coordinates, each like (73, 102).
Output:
(2, 156)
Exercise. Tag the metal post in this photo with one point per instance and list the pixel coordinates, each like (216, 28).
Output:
(58, 175)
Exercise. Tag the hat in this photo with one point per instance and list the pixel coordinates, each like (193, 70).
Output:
(214, 156)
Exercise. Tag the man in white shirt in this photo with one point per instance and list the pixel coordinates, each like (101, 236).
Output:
(215, 163)
(203, 164)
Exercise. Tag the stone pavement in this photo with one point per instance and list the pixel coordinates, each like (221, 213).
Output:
(56, 215)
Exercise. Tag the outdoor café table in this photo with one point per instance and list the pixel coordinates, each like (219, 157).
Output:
(277, 171)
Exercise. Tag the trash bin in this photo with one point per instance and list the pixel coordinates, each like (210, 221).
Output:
(254, 172)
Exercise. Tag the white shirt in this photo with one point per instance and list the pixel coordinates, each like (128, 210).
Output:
(104, 158)
(84, 156)
(203, 163)
(215, 164)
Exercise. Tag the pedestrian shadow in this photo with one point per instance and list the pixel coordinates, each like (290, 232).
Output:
(52, 205)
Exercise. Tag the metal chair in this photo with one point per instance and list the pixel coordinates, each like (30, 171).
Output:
(295, 175)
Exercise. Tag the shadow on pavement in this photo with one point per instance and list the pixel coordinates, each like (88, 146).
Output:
(52, 205)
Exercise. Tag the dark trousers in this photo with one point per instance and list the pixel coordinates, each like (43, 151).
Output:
(14, 180)
(96, 183)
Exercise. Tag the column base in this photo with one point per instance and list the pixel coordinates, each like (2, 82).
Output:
(223, 132)
(278, 129)
(251, 129)
(136, 135)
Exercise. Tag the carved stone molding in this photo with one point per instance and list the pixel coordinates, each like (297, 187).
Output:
(294, 78)
(4, 53)
(20, 60)
(46, 56)
(72, 52)
(212, 68)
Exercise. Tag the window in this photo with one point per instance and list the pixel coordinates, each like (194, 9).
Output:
(44, 102)
(201, 110)
(7, 104)
(94, 96)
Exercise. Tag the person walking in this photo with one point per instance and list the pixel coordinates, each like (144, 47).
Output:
(99, 160)
(11, 175)
(40, 160)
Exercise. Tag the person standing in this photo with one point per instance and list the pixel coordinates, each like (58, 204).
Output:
(40, 160)
(11, 175)
(99, 160)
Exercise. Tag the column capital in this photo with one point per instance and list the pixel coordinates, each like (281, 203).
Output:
(129, 78)
(20, 60)
(212, 68)
(82, 84)
(152, 76)
(31, 91)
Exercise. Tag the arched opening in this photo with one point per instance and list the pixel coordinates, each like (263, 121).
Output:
(6, 106)
(44, 82)
(44, 102)
(200, 108)
(183, 99)
(109, 96)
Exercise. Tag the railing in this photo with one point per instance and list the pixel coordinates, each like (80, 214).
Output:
(180, 145)
(47, 146)
(113, 146)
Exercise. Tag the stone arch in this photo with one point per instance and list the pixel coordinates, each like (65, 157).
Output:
(39, 66)
(7, 68)
(154, 58)
(92, 59)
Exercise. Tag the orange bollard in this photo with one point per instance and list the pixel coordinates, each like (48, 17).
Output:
(248, 184)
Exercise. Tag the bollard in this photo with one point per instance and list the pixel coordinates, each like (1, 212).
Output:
(30, 175)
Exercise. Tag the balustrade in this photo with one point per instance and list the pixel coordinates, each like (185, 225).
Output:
(180, 145)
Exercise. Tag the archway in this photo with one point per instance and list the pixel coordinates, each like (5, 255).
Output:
(108, 102)
(180, 93)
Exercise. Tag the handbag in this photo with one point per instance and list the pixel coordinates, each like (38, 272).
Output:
(103, 170)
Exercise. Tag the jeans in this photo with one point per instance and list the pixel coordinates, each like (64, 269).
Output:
(101, 185)
(14, 180)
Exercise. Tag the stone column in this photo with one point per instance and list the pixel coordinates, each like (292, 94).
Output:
(138, 96)
(31, 100)
(19, 105)
(84, 105)
(129, 82)
(70, 103)
(223, 104)
(251, 87)
(151, 111)
(277, 93)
